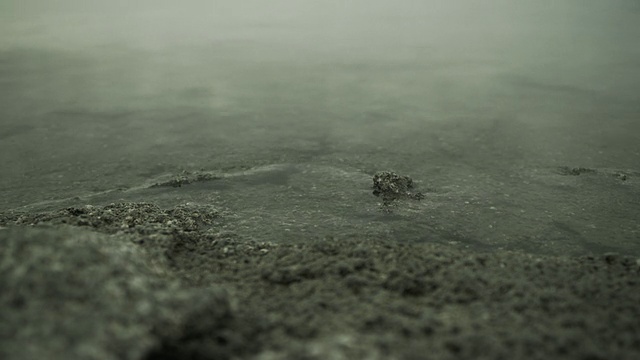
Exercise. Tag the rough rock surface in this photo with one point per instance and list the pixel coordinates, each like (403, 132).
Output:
(68, 293)
(150, 284)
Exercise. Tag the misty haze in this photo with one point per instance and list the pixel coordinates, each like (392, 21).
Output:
(498, 128)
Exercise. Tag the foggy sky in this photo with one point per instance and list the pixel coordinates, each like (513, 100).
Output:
(584, 26)
(571, 40)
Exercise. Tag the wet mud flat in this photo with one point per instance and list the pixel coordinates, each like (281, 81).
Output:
(195, 182)
(135, 280)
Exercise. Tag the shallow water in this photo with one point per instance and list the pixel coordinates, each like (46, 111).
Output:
(483, 105)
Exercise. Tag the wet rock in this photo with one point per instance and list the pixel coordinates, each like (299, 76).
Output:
(391, 187)
(126, 217)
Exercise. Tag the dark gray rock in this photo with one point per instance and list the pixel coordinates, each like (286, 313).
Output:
(71, 294)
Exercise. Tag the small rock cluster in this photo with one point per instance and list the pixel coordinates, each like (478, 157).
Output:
(391, 187)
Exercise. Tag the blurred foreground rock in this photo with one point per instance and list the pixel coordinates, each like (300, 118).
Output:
(136, 281)
(71, 294)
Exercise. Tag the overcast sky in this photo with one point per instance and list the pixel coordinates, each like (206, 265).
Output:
(578, 23)
(575, 38)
